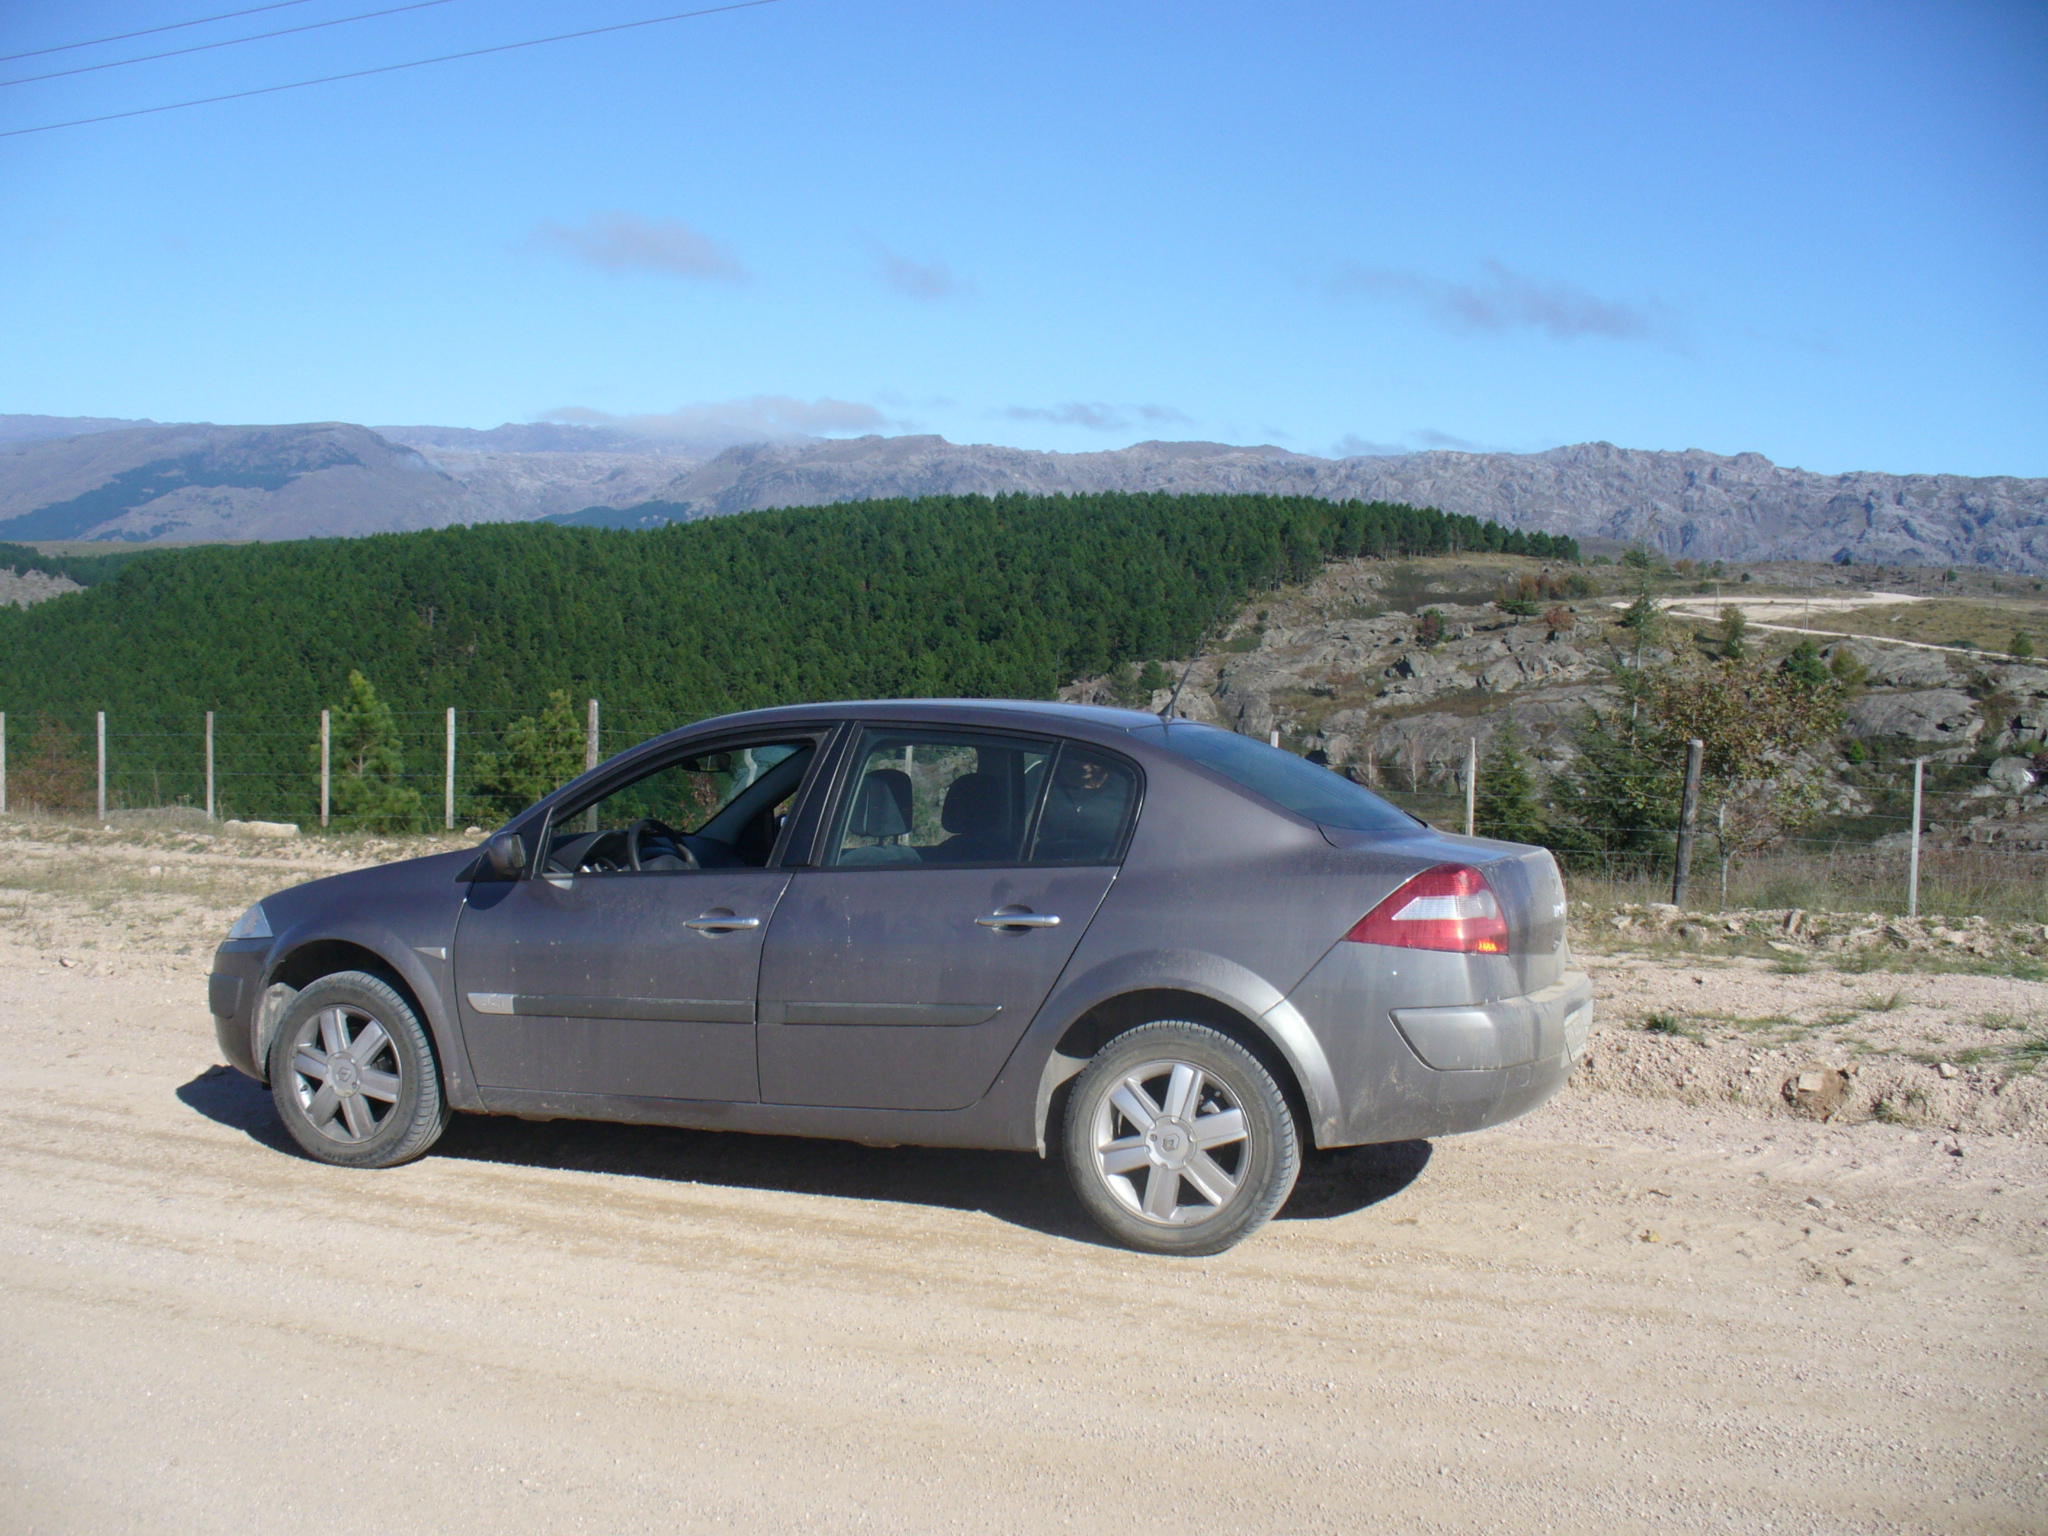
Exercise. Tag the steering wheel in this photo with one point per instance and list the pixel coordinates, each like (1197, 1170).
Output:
(662, 829)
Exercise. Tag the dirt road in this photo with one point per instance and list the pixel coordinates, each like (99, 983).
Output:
(1621, 1314)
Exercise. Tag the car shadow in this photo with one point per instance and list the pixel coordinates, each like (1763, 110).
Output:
(1018, 1188)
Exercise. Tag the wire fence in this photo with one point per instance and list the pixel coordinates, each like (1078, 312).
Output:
(268, 767)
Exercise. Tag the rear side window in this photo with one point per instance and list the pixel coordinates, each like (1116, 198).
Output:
(1088, 808)
(923, 797)
(1294, 783)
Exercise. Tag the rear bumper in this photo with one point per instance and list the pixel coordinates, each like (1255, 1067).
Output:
(1438, 1068)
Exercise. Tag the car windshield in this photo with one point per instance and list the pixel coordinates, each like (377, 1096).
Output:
(1292, 782)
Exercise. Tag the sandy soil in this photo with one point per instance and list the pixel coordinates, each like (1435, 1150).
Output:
(1626, 1312)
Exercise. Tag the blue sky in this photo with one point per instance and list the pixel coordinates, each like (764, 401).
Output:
(1817, 231)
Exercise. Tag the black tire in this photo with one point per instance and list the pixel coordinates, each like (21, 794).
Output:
(379, 1111)
(1215, 1189)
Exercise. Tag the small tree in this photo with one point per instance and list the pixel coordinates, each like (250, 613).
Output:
(1560, 620)
(1429, 629)
(1804, 666)
(1734, 629)
(55, 775)
(1505, 804)
(368, 771)
(542, 753)
(2021, 646)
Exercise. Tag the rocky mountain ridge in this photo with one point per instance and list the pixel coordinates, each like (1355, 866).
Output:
(149, 483)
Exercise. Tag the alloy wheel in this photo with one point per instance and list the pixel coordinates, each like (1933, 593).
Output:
(1171, 1143)
(347, 1073)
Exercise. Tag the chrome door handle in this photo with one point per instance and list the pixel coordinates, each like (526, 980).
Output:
(722, 924)
(1018, 920)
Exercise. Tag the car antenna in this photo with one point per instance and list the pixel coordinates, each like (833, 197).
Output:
(1167, 715)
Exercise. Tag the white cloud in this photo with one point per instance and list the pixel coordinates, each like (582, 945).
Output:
(1503, 300)
(625, 242)
(1097, 416)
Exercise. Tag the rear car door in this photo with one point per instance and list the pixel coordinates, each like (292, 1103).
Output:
(960, 870)
(625, 962)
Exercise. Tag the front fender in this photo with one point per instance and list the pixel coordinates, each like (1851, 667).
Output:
(429, 975)
(1222, 981)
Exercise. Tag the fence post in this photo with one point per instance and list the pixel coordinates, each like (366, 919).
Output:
(590, 762)
(3, 762)
(209, 765)
(326, 782)
(1274, 739)
(1913, 864)
(448, 788)
(1688, 814)
(1471, 785)
(103, 764)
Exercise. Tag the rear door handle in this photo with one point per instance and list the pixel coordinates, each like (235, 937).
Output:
(726, 924)
(1019, 920)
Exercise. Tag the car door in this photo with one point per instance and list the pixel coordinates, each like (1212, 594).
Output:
(625, 962)
(956, 883)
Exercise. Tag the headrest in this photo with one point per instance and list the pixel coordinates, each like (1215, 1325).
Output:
(975, 803)
(882, 808)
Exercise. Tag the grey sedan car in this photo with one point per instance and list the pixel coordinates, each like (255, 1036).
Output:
(1177, 954)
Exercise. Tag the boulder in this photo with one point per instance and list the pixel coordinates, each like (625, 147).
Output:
(2014, 775)
(1942, 715)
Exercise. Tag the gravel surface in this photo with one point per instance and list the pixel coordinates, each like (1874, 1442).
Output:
(1625, 1312)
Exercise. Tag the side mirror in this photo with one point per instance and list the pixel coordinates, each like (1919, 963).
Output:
(505, 856)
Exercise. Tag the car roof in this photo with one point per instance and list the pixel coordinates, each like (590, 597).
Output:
(988, 711)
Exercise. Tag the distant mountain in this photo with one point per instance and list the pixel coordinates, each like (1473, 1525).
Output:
(149, 483)
(29, 429)
(1705, 505)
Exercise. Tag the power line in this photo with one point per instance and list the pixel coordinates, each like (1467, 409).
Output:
(226, 42)
(386, 69)
(122, 37)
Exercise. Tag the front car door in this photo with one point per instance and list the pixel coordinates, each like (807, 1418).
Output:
(961, 869)
(625, 962)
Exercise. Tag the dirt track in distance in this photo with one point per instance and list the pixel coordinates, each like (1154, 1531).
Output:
(1623, 1313)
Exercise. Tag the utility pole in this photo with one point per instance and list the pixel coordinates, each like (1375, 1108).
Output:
(1688, 814)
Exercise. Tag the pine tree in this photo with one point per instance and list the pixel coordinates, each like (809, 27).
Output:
(542, 753)
(1734, 630)
(369, 791)
(1505, 800)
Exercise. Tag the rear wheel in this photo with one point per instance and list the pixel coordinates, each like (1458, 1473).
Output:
(1179, 1141)
(353, 1074)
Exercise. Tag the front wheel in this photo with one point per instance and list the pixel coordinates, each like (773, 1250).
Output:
(1179, 1141)
(353, 1074)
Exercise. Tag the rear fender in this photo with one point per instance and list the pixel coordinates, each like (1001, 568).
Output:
(1223, 982)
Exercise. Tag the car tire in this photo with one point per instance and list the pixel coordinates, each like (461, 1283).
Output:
(1178, 1140)
(353, 1074)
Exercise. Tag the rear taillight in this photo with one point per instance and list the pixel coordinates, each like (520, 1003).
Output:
(1449, 907)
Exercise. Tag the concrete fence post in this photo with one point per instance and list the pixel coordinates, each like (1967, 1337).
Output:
(1688, 817)
(1471, 785)
(448, 784)
(590, 762)
(1274, 739)
(1913, 860)
(102, 732)
(3, 762)
(326, 777)
(209, 765)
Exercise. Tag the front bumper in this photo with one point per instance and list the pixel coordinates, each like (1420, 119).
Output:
(234, 995)
(1440, 1067)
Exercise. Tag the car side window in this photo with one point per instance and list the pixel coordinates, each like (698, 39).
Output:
(1087, 809)
(719, 809)
(922, 797)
